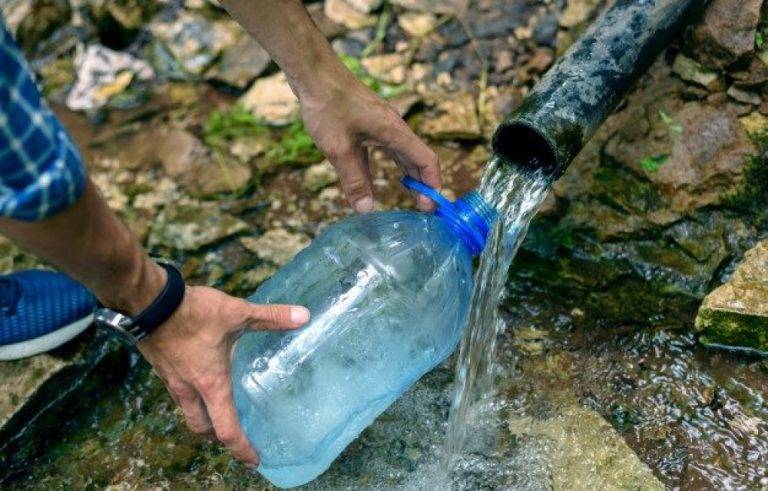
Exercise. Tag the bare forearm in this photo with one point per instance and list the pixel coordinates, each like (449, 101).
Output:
(285, 30)
(89, 243)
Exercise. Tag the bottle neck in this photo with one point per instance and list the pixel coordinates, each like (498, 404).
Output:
(470, 217)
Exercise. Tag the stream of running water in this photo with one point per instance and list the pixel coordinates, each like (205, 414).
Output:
(516, 193)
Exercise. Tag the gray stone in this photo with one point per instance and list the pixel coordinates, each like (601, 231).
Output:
(691, 70)
(194, 41)
(744, 96)
(188, 226)
(278, 246)
(240, 64)
(455, 117)
(318, 176)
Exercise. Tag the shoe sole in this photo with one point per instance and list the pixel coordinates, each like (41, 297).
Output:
(44, 343)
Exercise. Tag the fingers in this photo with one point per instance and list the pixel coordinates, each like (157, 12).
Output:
(226, 426)
(355, 177)
(413, 155)
(192, 407)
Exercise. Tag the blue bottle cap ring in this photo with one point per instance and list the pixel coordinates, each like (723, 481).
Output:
(470, 217)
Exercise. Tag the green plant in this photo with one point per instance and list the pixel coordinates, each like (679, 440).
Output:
(381, 30)
(653, 163)
(223, 127)
(294, 146)
(762, 31)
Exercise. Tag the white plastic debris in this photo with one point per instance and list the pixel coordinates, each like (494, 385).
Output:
(103, 73)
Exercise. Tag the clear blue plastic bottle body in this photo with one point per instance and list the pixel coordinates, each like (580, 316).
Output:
(388, 293)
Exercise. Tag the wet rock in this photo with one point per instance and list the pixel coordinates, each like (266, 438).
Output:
(585, 452)
(455, 117)
(318, 176)
(727, 32)
(188, 226)
(104, 74)
(240, 64)
(736, 313)
(388, 68)
(744, 96)
(700, 153)
(344, 13)
(272, 100)
(19, 380)
(531, 341)
(277, 246)
(417, 24)
(35, 392)
(691, 70)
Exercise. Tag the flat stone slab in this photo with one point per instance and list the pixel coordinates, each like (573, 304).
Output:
(735, 315)
(585, 452)
(35, 392)
(20, 381)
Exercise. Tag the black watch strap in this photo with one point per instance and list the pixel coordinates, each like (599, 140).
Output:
(163, 306)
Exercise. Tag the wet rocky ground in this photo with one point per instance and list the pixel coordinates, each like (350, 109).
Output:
(193, 137)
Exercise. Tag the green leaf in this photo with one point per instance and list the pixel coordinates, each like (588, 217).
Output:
(653, 164)
(294, 146)
(759, 39)
(671, 124)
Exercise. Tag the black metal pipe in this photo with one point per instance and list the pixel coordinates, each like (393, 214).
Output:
(584, 87)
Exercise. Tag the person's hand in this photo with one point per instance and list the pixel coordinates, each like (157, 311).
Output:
(344, 117)
(191, 354)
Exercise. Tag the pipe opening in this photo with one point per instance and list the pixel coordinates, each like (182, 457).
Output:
(525, 146)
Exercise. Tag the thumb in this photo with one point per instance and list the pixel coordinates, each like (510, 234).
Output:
(355, 178)
(275, 317)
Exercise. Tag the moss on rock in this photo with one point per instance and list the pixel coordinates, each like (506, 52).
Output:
(736, 313)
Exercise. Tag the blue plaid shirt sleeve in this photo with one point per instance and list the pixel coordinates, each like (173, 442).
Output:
(41, 171)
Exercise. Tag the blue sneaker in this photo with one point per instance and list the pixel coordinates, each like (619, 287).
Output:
(40, 311)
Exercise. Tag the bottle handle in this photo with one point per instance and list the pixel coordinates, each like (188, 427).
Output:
(428, 191)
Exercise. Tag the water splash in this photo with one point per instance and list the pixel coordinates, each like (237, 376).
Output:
(516, 194)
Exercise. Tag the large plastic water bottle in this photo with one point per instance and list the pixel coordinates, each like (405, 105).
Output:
(388, 293)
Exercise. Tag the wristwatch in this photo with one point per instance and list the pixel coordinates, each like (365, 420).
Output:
(141, 326)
